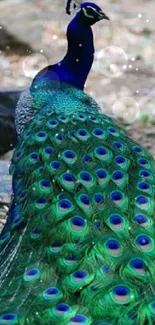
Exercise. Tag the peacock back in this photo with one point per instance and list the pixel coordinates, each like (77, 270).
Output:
(78, 246)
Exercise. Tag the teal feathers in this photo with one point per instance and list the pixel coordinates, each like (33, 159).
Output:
(79, 245)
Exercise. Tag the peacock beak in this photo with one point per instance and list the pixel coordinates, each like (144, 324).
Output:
(103, 16)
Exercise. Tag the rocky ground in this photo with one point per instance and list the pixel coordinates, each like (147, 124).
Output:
(32, 34)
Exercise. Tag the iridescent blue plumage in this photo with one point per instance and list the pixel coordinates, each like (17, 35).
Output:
(78, 246)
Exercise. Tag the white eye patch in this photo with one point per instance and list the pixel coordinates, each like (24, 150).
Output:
(86, 14)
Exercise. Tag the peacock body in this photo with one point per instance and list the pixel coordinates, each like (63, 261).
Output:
(78, 246)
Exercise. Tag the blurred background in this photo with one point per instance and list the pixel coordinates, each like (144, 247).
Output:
(122, 80)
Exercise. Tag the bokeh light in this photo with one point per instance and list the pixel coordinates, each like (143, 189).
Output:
(111, 61)
(126, 108)
(33, 63)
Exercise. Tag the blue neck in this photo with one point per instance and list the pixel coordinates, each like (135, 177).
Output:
(75, 66)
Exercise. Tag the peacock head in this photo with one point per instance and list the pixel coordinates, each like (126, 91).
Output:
(90, 13)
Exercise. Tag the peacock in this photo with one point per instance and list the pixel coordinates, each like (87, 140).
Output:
(78, 247)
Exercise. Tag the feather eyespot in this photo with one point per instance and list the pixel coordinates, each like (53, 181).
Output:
(101, 174)
(117, 197)
(68, 178)
(8, 319)
(138, 266)
(98, 198)
(78, 223)
(145, 174)
(86, 159)
(62, 309)
(142, 220)
(41, 136)
(98, 133)
(120, 160)
(78, 319)
(117, 145)
(45, 184)
(52, 123)
(121, 295)
(65, 205)
(34, 156)
(85, 200)
(143, 162)
(52, 294)
(143, 202)
(116, 222)
(113, 131)
(48, 150)
(113, 247)
(137, 149)
(145, 243)
(144, 186)
(32, 275)
(79, 275)
(86, 177)
(55, 164)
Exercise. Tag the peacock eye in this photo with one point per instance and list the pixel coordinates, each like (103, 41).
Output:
(89, 11)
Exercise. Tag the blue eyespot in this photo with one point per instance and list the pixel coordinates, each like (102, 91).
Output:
(41, 201)
(65, 204)
(98, 132)
(34, 156)
(142, 200)
(140, 218)
(41, 134)
(120, 160)
(93, 118)
(122, 291)
(112, 130)
(8, 317)
(55, 164)
(51, 291)
(68, 177)
(101, 173)
(32, 272)
(113, 244)
(69, 154)
(85, 177)
(45, 183)
(143, 240)
(86, 158)
(116, 220)
(117, 144)
(101, 151)
(63, 117)
(62, 308)
(137, 149)
(116, 196)
(53, 122)
(137, 264)
(98, 198)
(77, 221)
(118, 175)
(80, 275)
(144, 173)
(85, 199)
(143, 161)
(82, 132)
(81, 116)
(78, 319)
(143, 186)
(48, 150)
